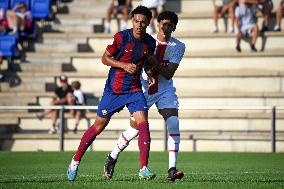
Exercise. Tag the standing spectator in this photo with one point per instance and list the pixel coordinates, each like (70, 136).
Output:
(246, 26)
(118, 7)
(279, 14)
(79, 100)
(123, 88)
(19, 18)
(62, 96)
(227, 6)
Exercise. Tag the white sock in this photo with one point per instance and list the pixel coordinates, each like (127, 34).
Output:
(173, 139)
(74, 164)
(123, 141)
(123, 25)
(143, 168)
(106, 26)
(276, 27)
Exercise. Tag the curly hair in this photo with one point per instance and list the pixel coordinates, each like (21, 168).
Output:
(168, 15)
(142, 10)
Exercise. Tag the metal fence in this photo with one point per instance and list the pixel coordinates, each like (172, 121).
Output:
(272, 109)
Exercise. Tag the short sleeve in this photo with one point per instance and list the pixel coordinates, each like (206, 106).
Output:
(178, 54)
(116, 44)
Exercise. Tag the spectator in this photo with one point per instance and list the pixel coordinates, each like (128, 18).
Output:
(153, 6)
(62, 96)
(246, 25)
(19, 18)
(265, 6)
(162, 3)
(2, 20)
(118, 7)
(279, 14)
(78, 99)
(227, 6)
(1, 74)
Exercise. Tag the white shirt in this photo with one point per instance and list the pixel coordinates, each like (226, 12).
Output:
(173, 54)
(79, 97)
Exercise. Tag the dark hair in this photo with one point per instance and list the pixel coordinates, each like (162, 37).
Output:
(76, 84)
(168, 15)
(142, 10)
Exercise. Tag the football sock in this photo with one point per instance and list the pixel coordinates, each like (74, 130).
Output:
(87, 139)
(173, 139)
(144, 141)
(123, 141)
(74, 164)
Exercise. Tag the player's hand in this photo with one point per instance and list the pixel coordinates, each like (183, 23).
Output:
(151, 81)
(130, 68)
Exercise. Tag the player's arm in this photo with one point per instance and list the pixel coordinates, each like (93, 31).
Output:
(108, 60)
(168, 72)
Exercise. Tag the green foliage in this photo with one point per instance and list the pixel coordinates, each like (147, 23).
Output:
(202, 170)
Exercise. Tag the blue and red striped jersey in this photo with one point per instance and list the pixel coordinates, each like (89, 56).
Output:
(126, 48)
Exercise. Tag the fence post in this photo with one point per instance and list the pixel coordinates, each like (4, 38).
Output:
(273, 125)
(61, 134)
(165, 137)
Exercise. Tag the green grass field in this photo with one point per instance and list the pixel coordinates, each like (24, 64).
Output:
(202, 170)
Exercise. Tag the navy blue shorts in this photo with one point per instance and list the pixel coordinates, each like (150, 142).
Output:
(112, 103)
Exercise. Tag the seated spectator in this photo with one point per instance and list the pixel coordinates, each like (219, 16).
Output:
(162, 3)
(78, 99)
(19, 18)
(153, 6)
(2, 20)
(63, 95)
(1, 74)
(279, 14)
(117, 7)
(246, 26)
(266, 7)
(226, 6)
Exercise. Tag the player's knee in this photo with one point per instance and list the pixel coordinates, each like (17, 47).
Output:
(173, 125)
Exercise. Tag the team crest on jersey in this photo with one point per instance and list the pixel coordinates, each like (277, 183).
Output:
(104, 112)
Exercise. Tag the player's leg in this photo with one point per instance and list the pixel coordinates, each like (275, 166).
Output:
(168, 108)
(123, 141)
(172, 122)
(137, 106)
(87, 139)
(130, 133)
(109, 104)
(144, 141)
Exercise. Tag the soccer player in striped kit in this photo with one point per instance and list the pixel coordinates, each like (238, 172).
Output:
(126, 56)
(168, 54)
